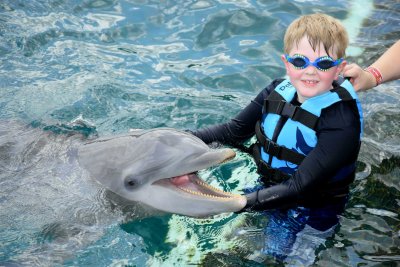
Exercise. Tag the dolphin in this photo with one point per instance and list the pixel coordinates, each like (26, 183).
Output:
(157, 167)
(61, 190)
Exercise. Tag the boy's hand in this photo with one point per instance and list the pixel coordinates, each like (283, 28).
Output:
(251, 202)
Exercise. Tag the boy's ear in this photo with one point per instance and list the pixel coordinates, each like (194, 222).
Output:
(286, 63)
(340, 68)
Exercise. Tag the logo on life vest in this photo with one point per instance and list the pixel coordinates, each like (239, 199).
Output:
(301, 146)
(301, 143)
(283, 87)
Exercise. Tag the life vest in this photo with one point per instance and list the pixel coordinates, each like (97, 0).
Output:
(278, 154)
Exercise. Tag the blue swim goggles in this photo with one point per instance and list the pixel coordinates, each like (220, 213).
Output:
(322, 63)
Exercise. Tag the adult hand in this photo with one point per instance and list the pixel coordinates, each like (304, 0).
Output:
(361, 79)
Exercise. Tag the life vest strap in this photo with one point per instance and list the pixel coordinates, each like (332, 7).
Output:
(342, 93)
(269, 175)
(273, 149)
(285, 109)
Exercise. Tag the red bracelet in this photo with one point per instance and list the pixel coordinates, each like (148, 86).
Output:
(376, 73)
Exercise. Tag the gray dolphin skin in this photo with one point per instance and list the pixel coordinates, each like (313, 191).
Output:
(61, 189)
(158, 167)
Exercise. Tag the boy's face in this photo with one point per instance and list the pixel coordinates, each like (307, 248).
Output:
(310, 81)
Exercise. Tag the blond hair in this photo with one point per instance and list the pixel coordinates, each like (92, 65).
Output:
(319, 28)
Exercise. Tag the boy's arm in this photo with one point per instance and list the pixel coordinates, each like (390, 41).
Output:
(234, 131)
(239, 128)
(338, 146)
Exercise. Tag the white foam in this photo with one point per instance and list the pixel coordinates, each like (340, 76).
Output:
(359, 10)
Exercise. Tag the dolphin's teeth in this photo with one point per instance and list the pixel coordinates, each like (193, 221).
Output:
(190, 183)
(208, 195)
(227, 194)
(224, 195)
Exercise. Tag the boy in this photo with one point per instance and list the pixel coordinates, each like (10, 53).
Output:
(308, 129)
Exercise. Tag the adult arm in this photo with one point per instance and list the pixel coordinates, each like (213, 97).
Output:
(385, 64)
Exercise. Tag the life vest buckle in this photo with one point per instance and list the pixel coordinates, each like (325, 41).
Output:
(270, 175)
(273, 148)
(289, 110)
(281, 105)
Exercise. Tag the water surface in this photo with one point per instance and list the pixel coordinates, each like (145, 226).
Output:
(117, 65)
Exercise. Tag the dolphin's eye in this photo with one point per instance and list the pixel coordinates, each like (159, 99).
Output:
(130, 182)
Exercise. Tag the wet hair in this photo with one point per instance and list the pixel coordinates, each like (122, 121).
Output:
(319, 28)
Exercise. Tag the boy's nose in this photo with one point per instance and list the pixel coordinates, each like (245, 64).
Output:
(311, 69)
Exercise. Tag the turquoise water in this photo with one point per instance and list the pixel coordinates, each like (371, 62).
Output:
(117, 65)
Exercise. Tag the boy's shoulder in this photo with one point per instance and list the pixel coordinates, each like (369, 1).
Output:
(342, 114)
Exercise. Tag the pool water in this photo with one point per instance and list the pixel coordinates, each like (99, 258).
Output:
(106, 66)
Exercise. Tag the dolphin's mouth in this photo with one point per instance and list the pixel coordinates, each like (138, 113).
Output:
(192, 184)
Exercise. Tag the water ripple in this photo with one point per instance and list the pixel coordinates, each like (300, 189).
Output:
(183, 64)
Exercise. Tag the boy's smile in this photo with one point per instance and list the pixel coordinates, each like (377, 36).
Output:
(311, 81)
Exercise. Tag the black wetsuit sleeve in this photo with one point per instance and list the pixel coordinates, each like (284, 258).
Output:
(240, 128)
(338, 134)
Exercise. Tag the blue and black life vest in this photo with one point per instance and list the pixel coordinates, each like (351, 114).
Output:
(278, 151)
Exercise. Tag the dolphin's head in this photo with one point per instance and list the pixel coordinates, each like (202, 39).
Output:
(158, 168)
